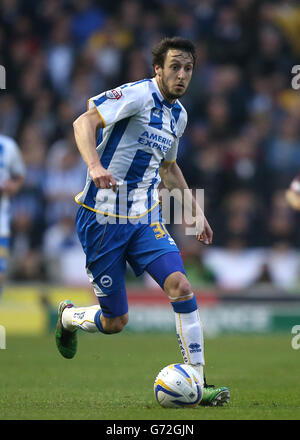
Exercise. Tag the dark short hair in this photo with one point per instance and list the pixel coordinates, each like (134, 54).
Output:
(160, 50)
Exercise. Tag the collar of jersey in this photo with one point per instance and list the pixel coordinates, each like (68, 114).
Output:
(163, 100)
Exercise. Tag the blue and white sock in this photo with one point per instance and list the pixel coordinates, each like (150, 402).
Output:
(190, 333)
(80, 317)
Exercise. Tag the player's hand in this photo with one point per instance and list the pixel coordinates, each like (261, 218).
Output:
(102, 178)
(206, 236)
(292, 194)
(10, 188)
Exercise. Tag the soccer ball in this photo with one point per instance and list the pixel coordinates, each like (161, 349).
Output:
(178, 386)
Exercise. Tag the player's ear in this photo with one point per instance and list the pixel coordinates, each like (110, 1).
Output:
(157, 69)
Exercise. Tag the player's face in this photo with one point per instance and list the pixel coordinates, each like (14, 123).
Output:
(174, 77)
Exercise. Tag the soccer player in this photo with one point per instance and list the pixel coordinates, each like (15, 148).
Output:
(139, 126)
(12, 172)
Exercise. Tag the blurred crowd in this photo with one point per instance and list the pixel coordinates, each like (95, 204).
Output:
(242, 142)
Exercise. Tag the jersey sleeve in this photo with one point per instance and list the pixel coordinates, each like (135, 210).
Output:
(172, 153)
(119, 103)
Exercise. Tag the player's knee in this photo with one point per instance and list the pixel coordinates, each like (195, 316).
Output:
(177, 286)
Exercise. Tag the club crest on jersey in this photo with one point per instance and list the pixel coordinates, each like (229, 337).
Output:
(114, 93)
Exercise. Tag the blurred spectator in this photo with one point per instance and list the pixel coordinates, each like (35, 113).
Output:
(80, 89)
(286, 14)
(220, 126)
(283, 262)
(205, 12)
(66, 115)
(229, 41)
(64, 258)
(198, 272)
(42, 115)
(65, 177)
(272, 53)
(235, 266)
(10, 115)
(26, 253)
(137, 66)
(281, 223)
(202, 165)
(87, 18)
(28, 209)
(283, 151)
(106, 48)
(60, 55)
(243, 167)
(241, 220)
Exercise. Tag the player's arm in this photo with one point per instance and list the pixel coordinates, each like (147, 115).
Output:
(12, 186)
(173, 178)
(85, 129)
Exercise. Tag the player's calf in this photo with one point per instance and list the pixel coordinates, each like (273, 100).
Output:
(188, 324)
(113, 325)
(169, 272)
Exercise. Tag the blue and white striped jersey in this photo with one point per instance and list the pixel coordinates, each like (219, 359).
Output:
(11, 165)
(141, 130)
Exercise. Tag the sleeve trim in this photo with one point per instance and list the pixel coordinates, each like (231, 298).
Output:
(101, 117)
(170, 161)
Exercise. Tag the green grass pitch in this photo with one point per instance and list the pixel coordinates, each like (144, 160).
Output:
(111, 378)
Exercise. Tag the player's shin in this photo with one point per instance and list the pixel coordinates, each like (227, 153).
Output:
(190, 333)
(80, 317)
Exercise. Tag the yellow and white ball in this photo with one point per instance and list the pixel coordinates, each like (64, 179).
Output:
(178, 386)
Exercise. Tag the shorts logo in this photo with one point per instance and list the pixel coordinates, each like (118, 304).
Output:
(114, 93)
(106, 281)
